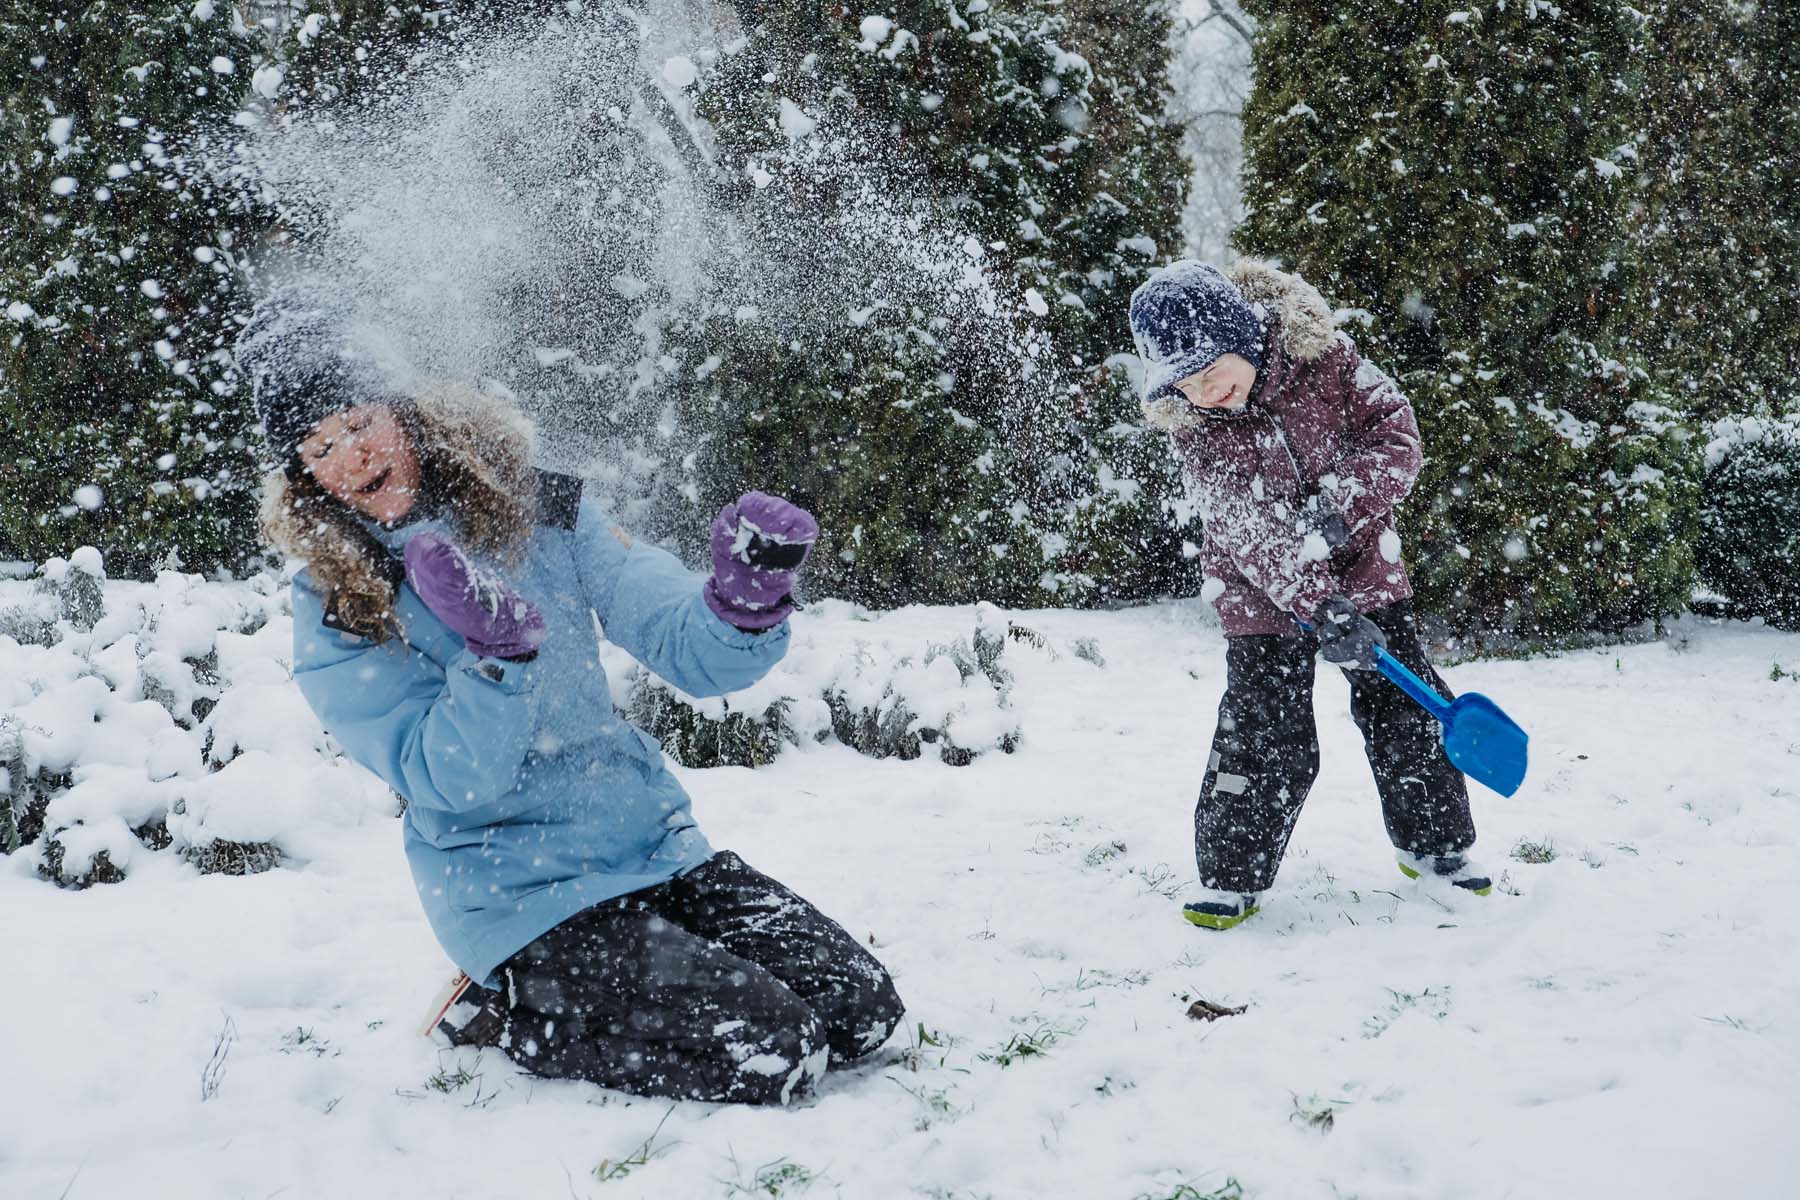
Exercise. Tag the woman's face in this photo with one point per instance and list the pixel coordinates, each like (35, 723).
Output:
(1226, 384)
(363, 457)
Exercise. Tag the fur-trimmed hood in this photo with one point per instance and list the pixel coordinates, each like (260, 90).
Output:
(1295, 314)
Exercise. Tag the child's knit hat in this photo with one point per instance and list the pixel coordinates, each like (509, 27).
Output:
(1184, 317)
(303, 366)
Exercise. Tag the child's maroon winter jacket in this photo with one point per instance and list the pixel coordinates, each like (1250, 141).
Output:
(1322, 426)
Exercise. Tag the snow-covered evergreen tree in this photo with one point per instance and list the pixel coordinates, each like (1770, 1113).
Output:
(950, 452)
(1732, 255)
(1458, 176)
(1719, 314)
(121, 425)
(1774, 35)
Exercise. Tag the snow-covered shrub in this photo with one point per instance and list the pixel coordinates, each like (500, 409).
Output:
(698, 734)
(31, 622)
(78, 586)
(1749, 549)
(23, 797)
(880, 698)
(1088, 650)
(159, 716)
(64, 591)
(745, 729)
(952, 696)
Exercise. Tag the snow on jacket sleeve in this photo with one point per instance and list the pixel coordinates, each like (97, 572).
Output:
(653, 608)
(1246, 519)
(1381, 455)
(447, 737)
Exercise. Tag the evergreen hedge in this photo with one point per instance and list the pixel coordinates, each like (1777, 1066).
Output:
(1460, 178)
(121, 422)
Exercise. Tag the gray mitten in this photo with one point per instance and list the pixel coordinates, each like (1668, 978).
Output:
(1346, 637)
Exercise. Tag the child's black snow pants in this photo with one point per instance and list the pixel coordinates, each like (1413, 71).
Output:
(1265, 755)
(720, 985)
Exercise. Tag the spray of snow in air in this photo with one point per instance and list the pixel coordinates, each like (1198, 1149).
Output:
(532, 210)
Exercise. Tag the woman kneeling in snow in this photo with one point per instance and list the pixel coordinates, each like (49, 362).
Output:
(1298, 449)
(444, 633)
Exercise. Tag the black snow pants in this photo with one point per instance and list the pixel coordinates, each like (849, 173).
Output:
(718, 985)
(1265, 756)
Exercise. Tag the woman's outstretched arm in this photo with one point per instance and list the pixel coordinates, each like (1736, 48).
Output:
(654, 608)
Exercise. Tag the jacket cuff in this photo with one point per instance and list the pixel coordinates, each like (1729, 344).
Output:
(1341, 495)
(739, 638)
(747, 619)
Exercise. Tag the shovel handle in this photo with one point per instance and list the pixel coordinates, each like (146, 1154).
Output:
(1423, 693)
(1412, 685)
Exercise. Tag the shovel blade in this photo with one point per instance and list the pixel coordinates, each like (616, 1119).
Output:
(1485, 744)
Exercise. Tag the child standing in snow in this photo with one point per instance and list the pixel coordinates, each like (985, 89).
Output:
(1298, 451)
(444, 632)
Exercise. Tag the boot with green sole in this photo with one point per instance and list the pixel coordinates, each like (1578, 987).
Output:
(1220, 910)
(1453, 869)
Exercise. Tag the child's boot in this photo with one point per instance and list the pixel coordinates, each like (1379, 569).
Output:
(1453, 869)
(1220, 910)
(465, 1014)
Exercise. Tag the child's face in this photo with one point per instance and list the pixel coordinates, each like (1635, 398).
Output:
(364, 458)
(1226, 384)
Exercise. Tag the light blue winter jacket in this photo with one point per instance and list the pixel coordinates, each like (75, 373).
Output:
(529, 798)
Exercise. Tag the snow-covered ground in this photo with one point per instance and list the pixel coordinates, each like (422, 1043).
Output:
(1617, 1021)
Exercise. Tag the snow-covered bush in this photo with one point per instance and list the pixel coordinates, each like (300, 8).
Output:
(712, 732)
(171, 724)
(1749, 549)
(149, 717)
(952, 696)
(880, 697)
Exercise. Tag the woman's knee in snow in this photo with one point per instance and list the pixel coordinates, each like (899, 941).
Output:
(875, 1029)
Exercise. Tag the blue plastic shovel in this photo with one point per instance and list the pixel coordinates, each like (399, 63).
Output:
(1480, 740)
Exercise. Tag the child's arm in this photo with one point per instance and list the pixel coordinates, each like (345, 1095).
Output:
(1381, 455)
(1265, 537)
(653, 608)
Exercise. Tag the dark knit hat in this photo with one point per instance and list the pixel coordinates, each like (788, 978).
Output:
(1184, 318)
(303, 366)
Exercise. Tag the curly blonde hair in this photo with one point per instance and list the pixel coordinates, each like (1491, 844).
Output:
(474, 458)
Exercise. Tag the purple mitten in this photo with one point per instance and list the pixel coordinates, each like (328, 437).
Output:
(758, 544)
(494, 620)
